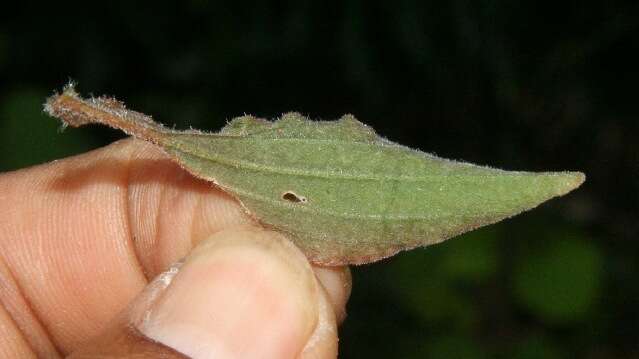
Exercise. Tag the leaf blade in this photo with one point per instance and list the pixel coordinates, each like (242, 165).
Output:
(343, 194)
(385, 196)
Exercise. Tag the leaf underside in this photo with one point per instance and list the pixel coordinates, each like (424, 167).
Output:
(343, 194)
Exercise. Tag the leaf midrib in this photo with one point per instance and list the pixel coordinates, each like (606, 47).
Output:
(308, 207)
(337, 175)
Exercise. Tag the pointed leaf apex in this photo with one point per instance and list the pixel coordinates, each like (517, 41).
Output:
(566, 182)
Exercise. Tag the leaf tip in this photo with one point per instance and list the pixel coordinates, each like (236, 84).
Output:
(570, 182)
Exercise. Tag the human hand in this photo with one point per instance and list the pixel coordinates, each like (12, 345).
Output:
(89, 247)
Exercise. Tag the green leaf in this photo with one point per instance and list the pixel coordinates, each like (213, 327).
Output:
(343, 194)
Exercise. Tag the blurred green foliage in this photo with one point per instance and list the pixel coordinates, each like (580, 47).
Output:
(519, 85)
(560, 282)
(536, 347)
(32, 137)
(480, 292)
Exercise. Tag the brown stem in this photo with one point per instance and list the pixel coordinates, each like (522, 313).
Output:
(75, 111)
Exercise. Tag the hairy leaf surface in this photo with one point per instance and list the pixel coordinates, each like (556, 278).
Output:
(343, 194)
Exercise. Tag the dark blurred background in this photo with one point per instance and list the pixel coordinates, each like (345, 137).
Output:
(520, 85)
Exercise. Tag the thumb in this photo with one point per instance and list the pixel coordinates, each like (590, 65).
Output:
(243, 293)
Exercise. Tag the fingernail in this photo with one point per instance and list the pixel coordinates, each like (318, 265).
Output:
(240, 294)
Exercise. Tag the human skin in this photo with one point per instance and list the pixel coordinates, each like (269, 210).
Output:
(88, 253)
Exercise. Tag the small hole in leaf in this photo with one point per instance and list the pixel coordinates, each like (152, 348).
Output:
(292, 197)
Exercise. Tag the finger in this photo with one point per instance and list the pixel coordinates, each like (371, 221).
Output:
(337, 283)
(323, 341)
(240, 294)
(80, 237)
